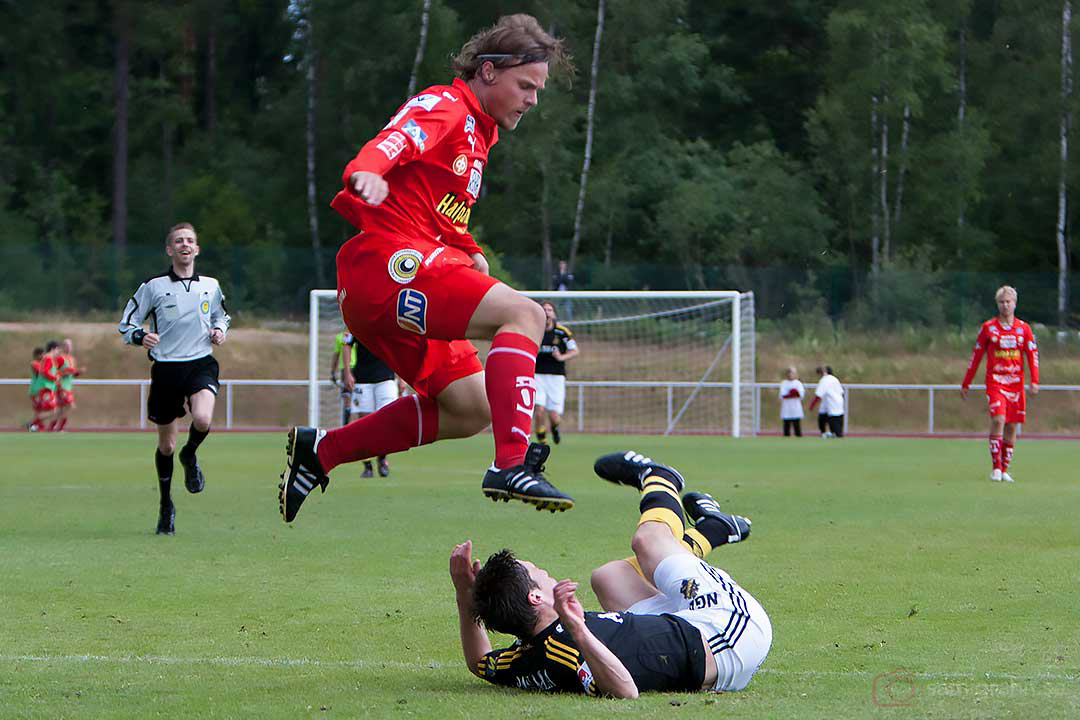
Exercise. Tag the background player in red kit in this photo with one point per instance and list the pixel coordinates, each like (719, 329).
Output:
(413, 285)
(1006, 340)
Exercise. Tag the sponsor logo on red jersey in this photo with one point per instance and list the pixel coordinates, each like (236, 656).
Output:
(461, 165)
(392, 145)
(456, 209)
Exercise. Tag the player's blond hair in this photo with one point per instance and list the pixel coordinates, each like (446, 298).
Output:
(1006, 289)
(179, 226)
(513, 40)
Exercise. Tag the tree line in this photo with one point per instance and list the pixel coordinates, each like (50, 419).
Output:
(872, 160)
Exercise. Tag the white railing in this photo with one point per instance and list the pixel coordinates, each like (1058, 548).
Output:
(580, 386)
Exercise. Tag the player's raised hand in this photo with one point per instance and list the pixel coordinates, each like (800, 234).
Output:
(571, 613)
(370, 186)
(463, 568)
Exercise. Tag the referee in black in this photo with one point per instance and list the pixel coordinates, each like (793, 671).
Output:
(187, 317)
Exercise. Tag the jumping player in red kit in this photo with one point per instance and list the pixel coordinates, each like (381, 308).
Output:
(1006, 340)
(414, 288)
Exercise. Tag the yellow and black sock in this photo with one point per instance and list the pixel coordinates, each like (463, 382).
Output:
(707, 534)
(660, 503)
(541, 434)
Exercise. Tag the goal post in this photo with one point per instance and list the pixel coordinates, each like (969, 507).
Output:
(651, 362)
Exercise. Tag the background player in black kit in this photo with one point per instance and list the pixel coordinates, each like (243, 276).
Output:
(673, 622)
(557, 346)
(371, 385)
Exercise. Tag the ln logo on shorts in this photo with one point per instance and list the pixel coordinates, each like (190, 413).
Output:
(404, 264)
(412, 311)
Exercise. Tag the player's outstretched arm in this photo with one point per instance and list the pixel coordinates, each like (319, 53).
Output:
(474, 640)
(611, 676)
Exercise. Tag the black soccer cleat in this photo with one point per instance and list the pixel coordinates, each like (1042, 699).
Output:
(384, 468)
(194, 480)
(702, 505)
(302, 471)
(369, 471)
(631, 467)
(527, 483)
(555, 434)
(166, 524)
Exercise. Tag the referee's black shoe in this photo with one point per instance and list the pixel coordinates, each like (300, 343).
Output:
(302, 473)
(702, 505)
(527, 483)
(194, 480)
(631, 467)
(166, 520)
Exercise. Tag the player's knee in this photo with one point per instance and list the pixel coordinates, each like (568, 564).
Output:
(166, 447)
(201, 421)
(601, 580)
(532, 315)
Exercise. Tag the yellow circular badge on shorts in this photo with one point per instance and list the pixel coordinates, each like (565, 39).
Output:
(205, 306)
(404, 264)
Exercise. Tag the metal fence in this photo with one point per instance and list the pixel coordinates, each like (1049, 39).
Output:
(600, 406)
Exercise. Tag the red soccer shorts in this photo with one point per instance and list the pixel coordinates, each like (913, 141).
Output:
(66, 398)
(409, 301)
(44, 401)
(1013, 405)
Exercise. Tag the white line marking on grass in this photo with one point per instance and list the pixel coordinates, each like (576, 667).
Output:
(242, 661)
(223, 661)
(945, 676)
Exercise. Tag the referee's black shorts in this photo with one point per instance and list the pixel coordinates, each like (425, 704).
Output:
(172, 383)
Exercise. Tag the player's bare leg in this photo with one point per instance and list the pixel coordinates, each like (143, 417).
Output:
(515, 325)
(554, 420)
(540, 421)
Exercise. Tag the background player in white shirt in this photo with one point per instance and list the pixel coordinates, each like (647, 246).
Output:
(830, 393)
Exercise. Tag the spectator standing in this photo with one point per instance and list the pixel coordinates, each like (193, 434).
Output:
(791, 410)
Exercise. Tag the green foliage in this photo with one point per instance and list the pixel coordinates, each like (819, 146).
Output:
(732, 143)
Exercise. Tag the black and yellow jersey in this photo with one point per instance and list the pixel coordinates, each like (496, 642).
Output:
(558, 337)
(661, 652)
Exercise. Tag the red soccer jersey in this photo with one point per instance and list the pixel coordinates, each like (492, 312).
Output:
(432, 155)
(50, 369)
(1004, 348)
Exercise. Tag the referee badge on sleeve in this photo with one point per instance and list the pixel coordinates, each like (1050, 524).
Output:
(205, 307)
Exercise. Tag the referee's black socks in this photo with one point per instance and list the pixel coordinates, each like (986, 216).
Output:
(164, 465)
(194, 439)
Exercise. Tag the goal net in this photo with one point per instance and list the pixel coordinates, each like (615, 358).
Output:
(649, 362)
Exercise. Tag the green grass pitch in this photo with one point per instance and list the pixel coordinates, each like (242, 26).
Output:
(870, 555)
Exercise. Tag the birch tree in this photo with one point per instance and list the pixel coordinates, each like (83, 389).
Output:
(311, 64)
(121, 41)
(1065, 123)
(421, 45)
(590, 114)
